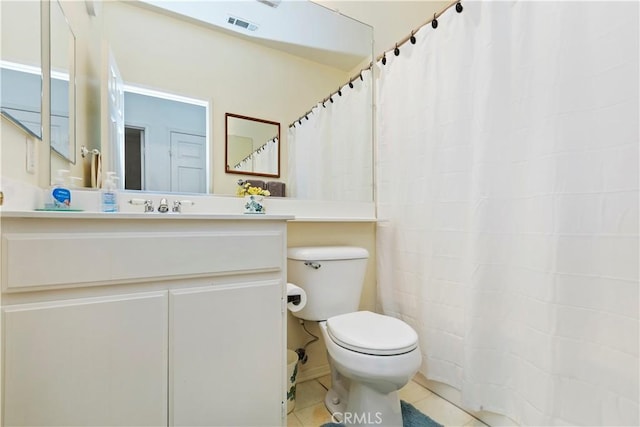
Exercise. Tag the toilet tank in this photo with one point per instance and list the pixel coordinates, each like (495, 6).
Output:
(331, 276)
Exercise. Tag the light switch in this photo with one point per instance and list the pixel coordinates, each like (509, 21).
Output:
(31, 155)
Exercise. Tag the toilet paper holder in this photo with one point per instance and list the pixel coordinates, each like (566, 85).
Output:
(295, 299)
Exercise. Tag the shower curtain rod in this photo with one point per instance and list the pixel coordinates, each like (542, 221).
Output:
(330, 97)
(381, 57)
(412, 34)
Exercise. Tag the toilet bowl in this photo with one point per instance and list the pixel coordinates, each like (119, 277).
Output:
(365, 386)
(371, 355)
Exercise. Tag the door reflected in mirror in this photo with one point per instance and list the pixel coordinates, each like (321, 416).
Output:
(252, 146)
(165, 142)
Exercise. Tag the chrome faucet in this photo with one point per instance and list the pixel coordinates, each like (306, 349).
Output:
(177, 205)
(164, 206)
(148, 206)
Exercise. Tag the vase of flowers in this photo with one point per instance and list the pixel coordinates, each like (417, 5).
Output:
(253, 197)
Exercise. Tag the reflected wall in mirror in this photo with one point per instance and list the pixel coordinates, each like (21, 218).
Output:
(62, 43)
(252, 146)
(21, 64)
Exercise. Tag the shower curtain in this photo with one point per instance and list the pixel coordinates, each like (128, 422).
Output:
(507, 174)
(263, 160)
(330, 155)
(266, 160)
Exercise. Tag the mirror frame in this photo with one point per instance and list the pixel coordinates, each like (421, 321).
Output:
(228, 168)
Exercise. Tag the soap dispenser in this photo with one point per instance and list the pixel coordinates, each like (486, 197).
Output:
(60, 195)
(108, 195)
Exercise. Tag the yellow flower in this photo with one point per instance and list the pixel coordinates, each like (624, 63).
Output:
(245, 189)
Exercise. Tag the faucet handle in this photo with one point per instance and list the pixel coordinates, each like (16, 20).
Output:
(164, 206)
(148, 204)
(177, 205)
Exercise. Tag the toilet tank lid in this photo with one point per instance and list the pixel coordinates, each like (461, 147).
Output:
(326, 253)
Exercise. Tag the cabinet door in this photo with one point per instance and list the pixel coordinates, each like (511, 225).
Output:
(87, 362)
(226, 358)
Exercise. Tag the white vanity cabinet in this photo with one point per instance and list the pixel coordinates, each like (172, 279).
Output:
(131, 320)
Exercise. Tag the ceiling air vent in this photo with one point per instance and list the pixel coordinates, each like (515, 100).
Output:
(242, 23)
(271, 3)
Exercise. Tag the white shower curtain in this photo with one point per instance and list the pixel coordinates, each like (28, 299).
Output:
(330, 155)
(508, 199)
(266, 160)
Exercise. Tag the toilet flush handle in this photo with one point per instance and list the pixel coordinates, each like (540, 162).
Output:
(313, 265)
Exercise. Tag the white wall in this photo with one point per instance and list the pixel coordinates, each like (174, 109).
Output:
(13, 153)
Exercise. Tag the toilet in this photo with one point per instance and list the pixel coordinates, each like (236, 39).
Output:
(371, 356)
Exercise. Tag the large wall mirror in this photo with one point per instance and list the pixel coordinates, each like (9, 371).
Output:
(21, 65)
(62, 42)
(252, 146)
(272, 60)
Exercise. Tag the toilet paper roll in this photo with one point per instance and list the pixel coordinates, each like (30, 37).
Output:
(296, 297)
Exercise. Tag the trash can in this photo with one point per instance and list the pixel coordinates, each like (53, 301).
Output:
(292, 373)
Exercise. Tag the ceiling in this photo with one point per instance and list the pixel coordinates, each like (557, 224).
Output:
(299, 27)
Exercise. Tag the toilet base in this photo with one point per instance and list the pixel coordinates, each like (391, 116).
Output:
(335, 405)
(356, 404)
(366, 407)
(336, 398)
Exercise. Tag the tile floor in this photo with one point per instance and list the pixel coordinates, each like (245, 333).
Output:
(311, 412)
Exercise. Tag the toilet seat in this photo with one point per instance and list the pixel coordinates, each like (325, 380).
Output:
(372, 333)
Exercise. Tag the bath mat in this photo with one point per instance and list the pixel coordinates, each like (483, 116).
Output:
(411, 417)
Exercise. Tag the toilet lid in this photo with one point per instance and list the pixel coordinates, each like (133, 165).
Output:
(371, 333)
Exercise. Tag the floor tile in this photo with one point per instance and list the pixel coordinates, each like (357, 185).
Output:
(413, 392)
(475, 423)
(311, 412)
(313, 416)
(442, 411)
(325, 381)
(309, 393)
(292, 421)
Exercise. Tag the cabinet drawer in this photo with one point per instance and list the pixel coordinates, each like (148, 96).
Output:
(37, 260)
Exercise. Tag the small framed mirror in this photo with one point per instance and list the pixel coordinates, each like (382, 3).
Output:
(252, 146)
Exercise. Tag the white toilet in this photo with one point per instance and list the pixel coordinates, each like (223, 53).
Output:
(371, 356)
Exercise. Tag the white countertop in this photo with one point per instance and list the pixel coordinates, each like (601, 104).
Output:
(20, 200)
(145, 216)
